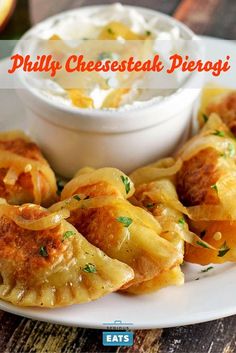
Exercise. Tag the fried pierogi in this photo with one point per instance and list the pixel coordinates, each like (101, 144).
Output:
(123, 232)
(207, 177)
(45, 262)
(219, 100)
(25, 175)
(161, 200)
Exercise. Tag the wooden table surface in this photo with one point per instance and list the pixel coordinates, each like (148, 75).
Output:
(210, 17)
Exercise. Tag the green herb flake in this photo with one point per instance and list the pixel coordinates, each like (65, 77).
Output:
(104, 55)
(219, 133)
(77, 197)
(126, 221)
(204, 245)
(223, 250)
(90, 268)
(181, 222)
(68, 234)
(126, 182)
(43, 251)
(148, 33)
(207, 269)
(204, 117)
(197, 279)
(150, 205)
(110, 31)
(231, 150)
(214, 187)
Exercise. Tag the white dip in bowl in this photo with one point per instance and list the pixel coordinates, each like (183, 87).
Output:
(149, 121)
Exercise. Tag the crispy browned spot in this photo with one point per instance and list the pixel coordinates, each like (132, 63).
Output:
(226, 108)
(98, 225)
(23, 188)
(196, 177)
(21, 247)
(101, 188)
(22, 148)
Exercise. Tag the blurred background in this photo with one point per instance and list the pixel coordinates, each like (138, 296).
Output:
(209, 17)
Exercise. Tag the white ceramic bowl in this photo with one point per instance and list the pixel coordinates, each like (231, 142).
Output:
(72, 138)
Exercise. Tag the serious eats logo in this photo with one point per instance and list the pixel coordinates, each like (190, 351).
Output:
(121, 336)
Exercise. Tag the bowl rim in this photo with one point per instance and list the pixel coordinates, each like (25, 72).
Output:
(115, 113)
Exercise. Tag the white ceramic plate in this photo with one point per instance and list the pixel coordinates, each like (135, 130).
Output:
(210, 297)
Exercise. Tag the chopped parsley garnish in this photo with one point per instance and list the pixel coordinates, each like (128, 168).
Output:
(181, 222)
(203, 233)
(224, 155)
(90, 268)
(204, 117)
(104, 55)
(219, 133)
(110, 31)
(214, 187)
(126, 183)
(43, 251)
(207, 269)
(150, 205)
(204, 245)
(148, 33)
(77, 197)
(126, 221)
(68, 234)
(223, 249)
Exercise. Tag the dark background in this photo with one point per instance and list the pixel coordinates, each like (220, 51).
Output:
(210, 17)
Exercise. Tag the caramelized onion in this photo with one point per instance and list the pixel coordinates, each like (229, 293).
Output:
(141, 215)
(11, 176)
(226, 189)
(208, 213)
(45, 222)
(220, 144)
(195, 240)
(154, 172)
(88, 176)
(48, 221)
